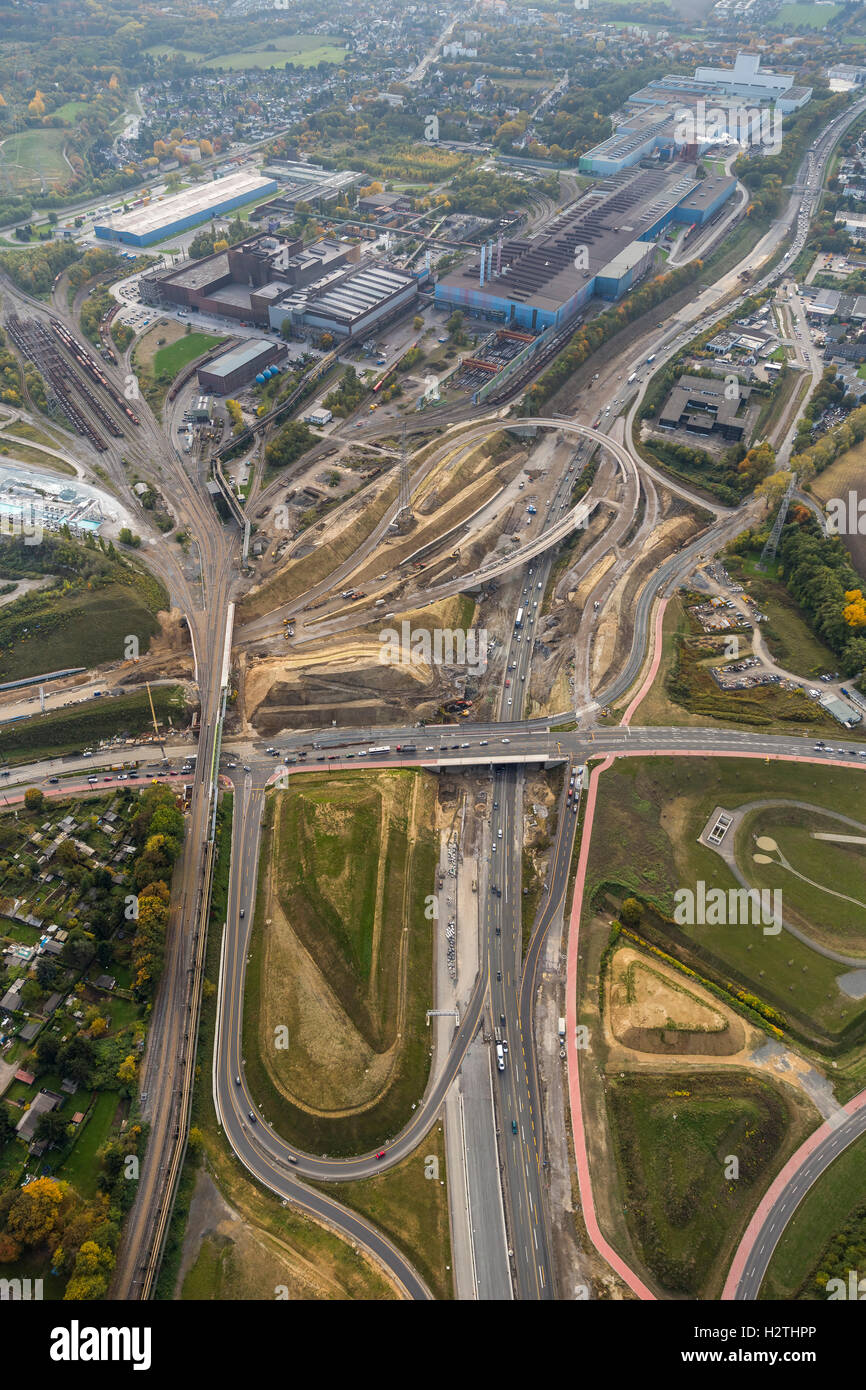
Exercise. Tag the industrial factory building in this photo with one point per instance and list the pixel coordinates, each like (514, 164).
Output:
(244, 281)
(701, 406)
(678, 115)
(601, 247)
(352, 302)
(179, 213)
(307, 183)
(237, 368)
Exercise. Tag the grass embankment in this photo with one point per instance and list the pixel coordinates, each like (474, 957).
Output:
(68, 730)
(675, 1138)
(819, 1217)
(533, 882)
(97, 599)
(26, 453)
(644, 842)
(49, 631)
(341, 955)
(271, 1248)
(410, 1204)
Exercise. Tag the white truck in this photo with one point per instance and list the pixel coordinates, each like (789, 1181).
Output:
(500, 1057)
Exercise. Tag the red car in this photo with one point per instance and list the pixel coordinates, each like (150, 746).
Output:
(381, 1153)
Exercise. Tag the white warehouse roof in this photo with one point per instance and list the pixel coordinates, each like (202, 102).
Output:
(201, 198)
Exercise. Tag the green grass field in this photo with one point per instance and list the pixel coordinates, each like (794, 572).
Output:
(81, 1168)
(805, 17)
(301, 50)
(674, 1138)
(644, 839)
(85, 628)
(168, 361)
(71, 110)
(831, 868)
(818, 1218)
(33, 156)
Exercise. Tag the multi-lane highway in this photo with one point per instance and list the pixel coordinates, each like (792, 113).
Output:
(505, 984)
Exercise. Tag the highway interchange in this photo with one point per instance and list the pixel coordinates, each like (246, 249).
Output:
(501, 749)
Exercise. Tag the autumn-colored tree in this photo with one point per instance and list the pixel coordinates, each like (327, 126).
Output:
(631, 912)
(34, 799)
(758, 463)
(9, 1248)
(93, 1265)
(126, 1072)
(855, 611)
(36, 107)
(34, 1213)
(221, 245)
(206, 148)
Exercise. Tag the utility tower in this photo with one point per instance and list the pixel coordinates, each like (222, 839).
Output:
(768, 554)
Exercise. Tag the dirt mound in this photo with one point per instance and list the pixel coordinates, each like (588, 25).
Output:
(650, 1011)
(354, 694)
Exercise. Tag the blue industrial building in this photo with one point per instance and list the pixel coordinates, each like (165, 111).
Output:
(190, 208)
(602, 246)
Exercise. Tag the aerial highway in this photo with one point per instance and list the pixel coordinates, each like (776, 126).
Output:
(203, 589)
(785, 1194)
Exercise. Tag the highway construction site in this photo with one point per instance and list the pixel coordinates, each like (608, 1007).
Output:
(473, 505)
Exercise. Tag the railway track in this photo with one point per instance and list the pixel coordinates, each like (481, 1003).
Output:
(34, 343)
(93, 369)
